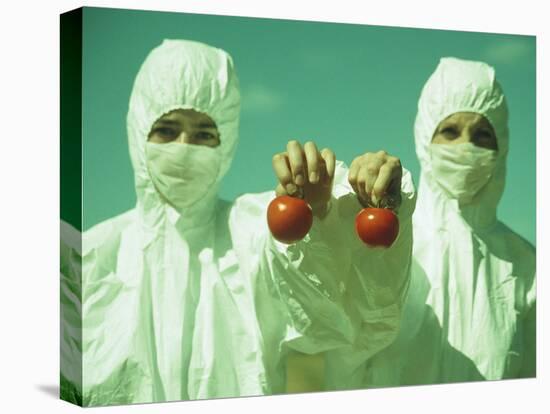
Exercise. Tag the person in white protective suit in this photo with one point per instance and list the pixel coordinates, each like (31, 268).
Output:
(188, 296)
(470, 312)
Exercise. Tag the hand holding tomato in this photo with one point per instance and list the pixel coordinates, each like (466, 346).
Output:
(376, 179)
(307, 173)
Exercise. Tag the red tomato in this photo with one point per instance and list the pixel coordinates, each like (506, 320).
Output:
(289, 218)
(377, 226)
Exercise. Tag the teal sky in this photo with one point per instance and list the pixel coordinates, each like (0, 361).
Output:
(352, 88)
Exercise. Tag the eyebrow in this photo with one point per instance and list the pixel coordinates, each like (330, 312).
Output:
(167, 122)
(203, 124)
(448, 124)
(206, 124)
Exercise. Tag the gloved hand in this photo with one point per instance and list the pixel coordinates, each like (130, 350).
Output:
(306, 173)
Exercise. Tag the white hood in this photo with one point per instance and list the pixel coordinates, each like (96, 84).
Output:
(461, 86)
(181, 74)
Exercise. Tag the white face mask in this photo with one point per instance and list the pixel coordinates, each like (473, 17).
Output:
(182, 173)
(462, 170)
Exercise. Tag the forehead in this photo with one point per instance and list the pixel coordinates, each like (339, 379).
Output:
(466, 119)
(188, 117)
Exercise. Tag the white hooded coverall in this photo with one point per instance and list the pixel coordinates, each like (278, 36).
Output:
(470, 311)
(161, 305)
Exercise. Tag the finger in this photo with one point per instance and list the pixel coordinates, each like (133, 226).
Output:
(385, 176)
(282, 172)
(296, 158)
(312, 159)
(353, 174)
(388, 183)
(394, 188)
(372, 167)
(280, 190)
(362, 177)
(330, 162)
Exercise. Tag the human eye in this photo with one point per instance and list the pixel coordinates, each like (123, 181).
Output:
(205, 135)
(449, 132)
(165, 133)
(484, 134)
(485, 137)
